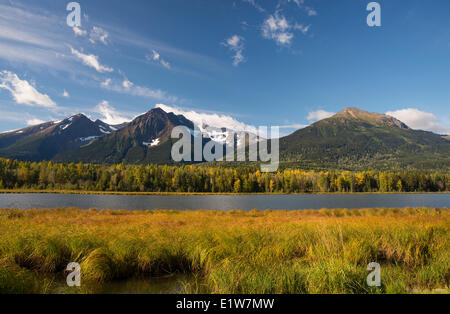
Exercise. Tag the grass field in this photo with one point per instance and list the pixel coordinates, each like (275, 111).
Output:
(324, 251)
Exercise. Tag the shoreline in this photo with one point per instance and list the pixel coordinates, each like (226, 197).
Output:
(77, 192)
(326, 212)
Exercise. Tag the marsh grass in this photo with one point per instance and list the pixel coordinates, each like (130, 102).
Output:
(325, 251)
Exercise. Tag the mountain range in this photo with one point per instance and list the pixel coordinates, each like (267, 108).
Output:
(352, 139)
(45, 141)
(146, 139)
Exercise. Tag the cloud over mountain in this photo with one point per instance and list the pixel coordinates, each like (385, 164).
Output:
(319, 115)
(210, 119)
(420, 120)
(23, 92)
(110, 114)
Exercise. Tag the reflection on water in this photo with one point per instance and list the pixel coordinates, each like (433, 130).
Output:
(224, 202)
(172, 284)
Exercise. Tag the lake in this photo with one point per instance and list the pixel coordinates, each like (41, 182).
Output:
(224, 202)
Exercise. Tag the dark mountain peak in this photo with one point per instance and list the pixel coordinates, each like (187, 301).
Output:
(155, 124)
(77, 121)
(157, 110)
(159, 116)
(100, 122)
(155, 113)
(353, 112)
(146, 118)
(80, 116)
(373, 118)
(77, 117)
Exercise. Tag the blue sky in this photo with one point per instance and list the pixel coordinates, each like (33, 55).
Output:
(279, 62)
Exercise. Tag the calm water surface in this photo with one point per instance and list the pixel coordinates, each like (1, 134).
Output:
(224, 202)
(173, 284)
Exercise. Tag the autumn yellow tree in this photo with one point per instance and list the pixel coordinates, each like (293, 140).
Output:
(237, 186)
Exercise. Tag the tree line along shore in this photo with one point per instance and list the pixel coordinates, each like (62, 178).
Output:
(40, 176)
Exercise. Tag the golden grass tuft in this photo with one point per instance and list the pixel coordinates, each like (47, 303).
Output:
(325, 251)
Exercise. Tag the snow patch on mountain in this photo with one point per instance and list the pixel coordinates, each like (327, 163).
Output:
(103, 130)
(89, 138)
(219, 128)
(63, 127)
(153, 143)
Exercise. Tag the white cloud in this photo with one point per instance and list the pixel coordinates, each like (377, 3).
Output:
(127, 87)
(26, 54)
(311, 11)
(210, 119)
(126, 37)
(23, 26)
(215, 120)
(308, 9)
(290, 128)
(25, 37)
(234, 41)
(65, 94)
(276, 27)
(18, 117)
(98, 34)
(106, 82)
(23, 92)
(29, 36)
(319, 115)
(127, 84)
(236, 44)
(33, 36)
(32, 122)
(420, 120)
(91, 61)
(38, 36)
(295, 126)
(255, 4)
(279, 29)
(303, 28)
(79, 32)
(110, 115)
(158, 94)
(165, 64)
(156, 57)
